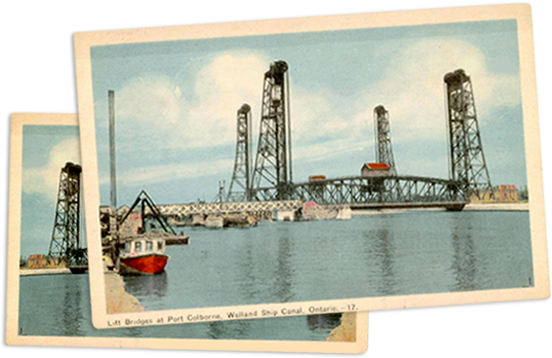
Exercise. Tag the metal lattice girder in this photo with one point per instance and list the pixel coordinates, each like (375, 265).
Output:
(240, 186)
(65, 242)
(227, 208)
(393, 190)
(467, 165)
(273, 161)
(384, 150)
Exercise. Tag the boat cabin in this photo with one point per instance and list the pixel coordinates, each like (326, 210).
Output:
(144, 246)
(143, 255)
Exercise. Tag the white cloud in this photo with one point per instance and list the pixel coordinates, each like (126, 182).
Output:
(170, 172)
(412, 88)
(203, 113)
(45, 180)
(327, 150)
(314, 115)
(221, 87)
(152, 99)
(154, 106)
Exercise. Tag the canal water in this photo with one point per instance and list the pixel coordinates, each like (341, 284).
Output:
(59, 305)
(399, 253)
(381, 254)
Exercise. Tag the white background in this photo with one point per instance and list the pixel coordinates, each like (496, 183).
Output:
(33, 54)
(33, 75)
(462, 346)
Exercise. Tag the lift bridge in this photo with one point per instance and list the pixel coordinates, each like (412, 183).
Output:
(268, 185)
(66, 243)
(270, 179)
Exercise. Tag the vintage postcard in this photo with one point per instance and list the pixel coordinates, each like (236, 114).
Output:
(313, 165)
(48, 288)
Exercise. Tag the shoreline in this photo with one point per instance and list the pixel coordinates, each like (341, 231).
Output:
(43, 271)
(517, 206)
(346, 331)
(117, 299)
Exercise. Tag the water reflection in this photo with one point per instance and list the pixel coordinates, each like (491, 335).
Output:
(249, 287)
(323, 321)
(149, 286)
(381, 249)
(72, 308)
(134, 332)
(59, 305)
(383, 254)
(229, 329)
(283, 285)
(464, 262)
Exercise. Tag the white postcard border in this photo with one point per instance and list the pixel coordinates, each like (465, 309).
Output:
(519, 12)
(19, 120)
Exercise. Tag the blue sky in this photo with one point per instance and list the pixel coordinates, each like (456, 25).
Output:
(46, 149)
(176, 103)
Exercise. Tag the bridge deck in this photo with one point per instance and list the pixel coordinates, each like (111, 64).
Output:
(227, 208)
(369, 190)
(356, 191)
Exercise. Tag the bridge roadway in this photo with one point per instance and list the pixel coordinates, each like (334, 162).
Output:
(356, 191)
(228, 208)
(369, 190)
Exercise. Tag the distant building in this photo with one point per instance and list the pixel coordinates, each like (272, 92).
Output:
(107, 221)
(43, 261)
(499, 194)
(36, 261)
(372, 170)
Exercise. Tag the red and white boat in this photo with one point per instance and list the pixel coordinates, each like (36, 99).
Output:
(144, 254)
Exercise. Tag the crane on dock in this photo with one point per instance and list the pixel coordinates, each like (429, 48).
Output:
(134, 241)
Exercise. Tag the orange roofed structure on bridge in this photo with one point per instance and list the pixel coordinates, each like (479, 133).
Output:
(375, 170)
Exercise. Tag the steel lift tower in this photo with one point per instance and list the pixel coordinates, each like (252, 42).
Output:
(384, 150)
(272, 182)
(467, 166)
(272, 176)
(240, 186)
(65, 243)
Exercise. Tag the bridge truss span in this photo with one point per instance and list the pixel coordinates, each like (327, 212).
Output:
(356, 192)
(227, 208)
(271, 178)
(392, 191)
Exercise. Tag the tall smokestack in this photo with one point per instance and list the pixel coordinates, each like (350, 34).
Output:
(112, 162)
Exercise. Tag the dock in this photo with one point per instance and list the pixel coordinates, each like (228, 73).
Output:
(177, 240)
(514, 206)
(118, 300)
(44, 271)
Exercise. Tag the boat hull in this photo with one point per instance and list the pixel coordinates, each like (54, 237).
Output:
(78, 269)
(149, 264)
